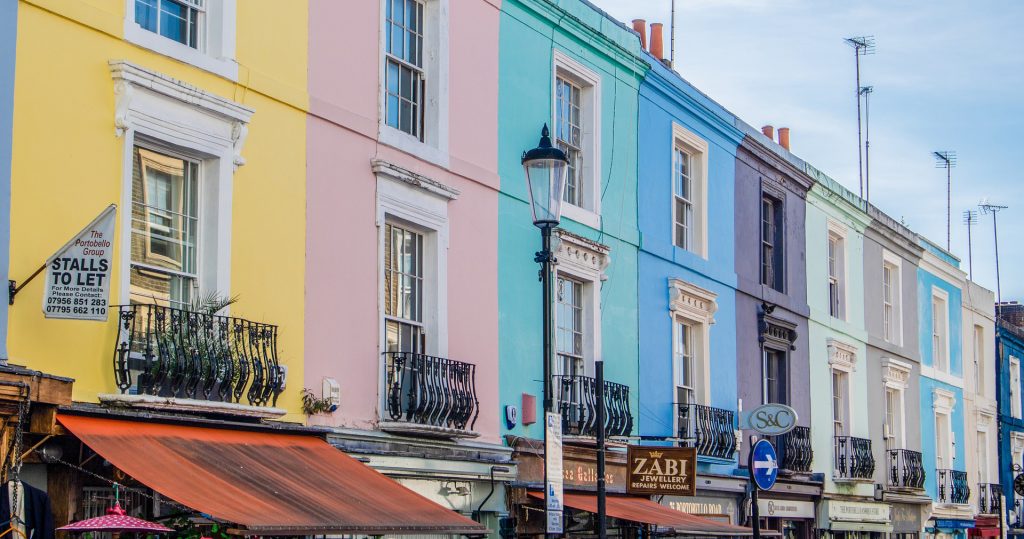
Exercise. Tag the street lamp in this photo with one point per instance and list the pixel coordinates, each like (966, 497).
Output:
(546, 168)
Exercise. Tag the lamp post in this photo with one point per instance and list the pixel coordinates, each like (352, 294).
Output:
(545, 167)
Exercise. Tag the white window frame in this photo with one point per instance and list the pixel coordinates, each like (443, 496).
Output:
(694, 358)
(980, 366)
(584, 261)
(896, 378)
(943, 404)
(945, 367)
(436, 134)
(839, 233)
(697, 148)
(1016, 408)
(1017, 448)
(895, 266)
(420, 203)
(694, 306)
(842, 359)
(983, 463)
(589, 82)
(154, 110)
(216, 42)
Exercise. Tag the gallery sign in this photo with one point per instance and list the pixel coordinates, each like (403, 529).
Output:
(661, 470)
(78, 275)
(785, 508)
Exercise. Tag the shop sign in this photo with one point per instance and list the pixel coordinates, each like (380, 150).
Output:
(770, 419)
(553, 460)
(858, 511)
(704, 506)
(953, 524)
(785, 508)
(661, 470)
(906, 518)
(78, 275)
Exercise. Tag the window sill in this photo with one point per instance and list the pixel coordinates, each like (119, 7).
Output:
(412, 146)
(225, 67)
(581, 216)
(174, 404)
(425, 431)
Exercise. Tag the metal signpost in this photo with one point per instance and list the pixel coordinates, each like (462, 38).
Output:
(763, 465)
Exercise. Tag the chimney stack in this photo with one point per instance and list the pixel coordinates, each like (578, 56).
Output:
(784, 137)
(768, 131)
(657, 43)
(640, 26)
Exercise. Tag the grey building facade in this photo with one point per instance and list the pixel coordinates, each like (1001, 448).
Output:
(891, 259)
(771, 315)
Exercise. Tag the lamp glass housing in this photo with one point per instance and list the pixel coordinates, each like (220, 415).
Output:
(546, 168)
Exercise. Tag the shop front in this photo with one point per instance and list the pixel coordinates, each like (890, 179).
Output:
(843, 519)
(940, 527)
(907, 520)
(985, 527)
(230, 477)
(629, 516)
(789, 508)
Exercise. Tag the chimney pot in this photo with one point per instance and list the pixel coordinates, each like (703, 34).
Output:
(768, 131)
(784, 137)
(657, 43)
(640, 26)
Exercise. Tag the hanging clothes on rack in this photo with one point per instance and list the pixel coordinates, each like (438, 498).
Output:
(34, 513)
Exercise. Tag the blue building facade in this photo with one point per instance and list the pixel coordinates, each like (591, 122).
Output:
(1009, 354)
(686, 276)
(940, 283)
(8, 43)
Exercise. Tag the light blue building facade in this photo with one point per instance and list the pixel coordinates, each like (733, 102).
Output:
(687, 278)
(940, 283)
(8, 43)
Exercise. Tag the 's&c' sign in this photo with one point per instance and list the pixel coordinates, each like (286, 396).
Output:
(772, 419)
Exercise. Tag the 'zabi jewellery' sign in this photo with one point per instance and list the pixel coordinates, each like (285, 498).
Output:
(661, 470)
(78, 275)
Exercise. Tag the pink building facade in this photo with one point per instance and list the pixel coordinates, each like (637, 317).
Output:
(402, 212)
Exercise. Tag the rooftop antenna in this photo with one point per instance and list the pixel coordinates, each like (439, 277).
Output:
(672, 37)
(862, 46)
(987, 208)
(946, 159)
(970, 219)
(866, 92)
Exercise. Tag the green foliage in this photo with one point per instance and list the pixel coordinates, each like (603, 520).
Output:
(312, 405)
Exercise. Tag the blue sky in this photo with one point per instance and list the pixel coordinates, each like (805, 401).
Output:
(947, 75)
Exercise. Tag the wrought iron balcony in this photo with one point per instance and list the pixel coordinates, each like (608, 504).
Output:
(711, 430)
(953, 486)
(906, 469)
(170, 352)
(576, 400)
(428, 390)
(794, 449)
(989, 498)
(854, 460)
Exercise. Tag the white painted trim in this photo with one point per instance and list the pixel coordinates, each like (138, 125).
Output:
(590, 82)
(1018, 411)
(944, 377)
(426, 212)
(893, 260)
(842, 356)
(944, 296)
(167, 115)
(943, 400)
(694, 306)
(841, 232)
(393, 171)
(585, 261)
(436, 131)
(698, 148)
(216, 52)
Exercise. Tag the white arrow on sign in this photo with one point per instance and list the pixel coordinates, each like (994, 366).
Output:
(769, 464)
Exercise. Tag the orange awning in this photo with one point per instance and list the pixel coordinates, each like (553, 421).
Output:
(267, 483)
(645, 511)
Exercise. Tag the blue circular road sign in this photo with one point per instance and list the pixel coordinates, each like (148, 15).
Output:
(764, 465)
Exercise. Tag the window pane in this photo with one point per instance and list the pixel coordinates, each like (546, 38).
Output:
(568, 134)
(174, 21)
(146, 13)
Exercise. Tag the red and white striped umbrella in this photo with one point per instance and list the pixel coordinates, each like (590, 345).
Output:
(116, 520)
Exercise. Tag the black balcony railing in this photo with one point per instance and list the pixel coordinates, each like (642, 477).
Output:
(794, 449)
(989, 498)
(953, 486)
(576, 400)
(906, 469)
(853, 458)
(172, 352)
(434, 391)
(711, 430)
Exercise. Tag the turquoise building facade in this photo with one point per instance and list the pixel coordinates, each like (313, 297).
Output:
(569, 66)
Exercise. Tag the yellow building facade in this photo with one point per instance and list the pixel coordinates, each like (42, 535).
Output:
(190, 118)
